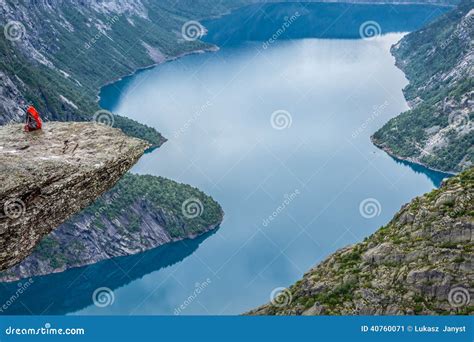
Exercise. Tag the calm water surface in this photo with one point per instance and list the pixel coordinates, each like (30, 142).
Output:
(310, 175)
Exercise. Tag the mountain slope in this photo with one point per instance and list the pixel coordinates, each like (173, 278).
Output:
(57, 54)
(438, 61)
(422, 262)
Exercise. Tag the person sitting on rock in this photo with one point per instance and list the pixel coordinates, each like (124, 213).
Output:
(33, 120)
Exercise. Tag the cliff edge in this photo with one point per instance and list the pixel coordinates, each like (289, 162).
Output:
(49, 175)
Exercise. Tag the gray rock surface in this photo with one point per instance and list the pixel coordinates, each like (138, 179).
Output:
(49, 175)
(10, 98)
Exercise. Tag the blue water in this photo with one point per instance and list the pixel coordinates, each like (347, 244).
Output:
(291, 196)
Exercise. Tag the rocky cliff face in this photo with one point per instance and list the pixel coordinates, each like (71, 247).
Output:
(49, 175)
(422, 262)
(10, 97)
(438, 61)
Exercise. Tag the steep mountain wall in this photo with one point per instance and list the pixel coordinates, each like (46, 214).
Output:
(438, 60)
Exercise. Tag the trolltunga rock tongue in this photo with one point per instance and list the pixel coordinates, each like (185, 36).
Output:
(49, 175)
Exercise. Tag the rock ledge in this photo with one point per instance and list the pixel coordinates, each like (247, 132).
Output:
(47, 176)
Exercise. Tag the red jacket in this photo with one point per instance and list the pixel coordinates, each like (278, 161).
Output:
(33, 120)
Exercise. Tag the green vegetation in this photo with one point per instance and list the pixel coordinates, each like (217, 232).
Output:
(158, 195)
(49, 243)
(123, 215)
(350, 261)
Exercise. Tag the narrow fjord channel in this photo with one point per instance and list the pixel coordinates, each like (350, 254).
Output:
(279, 134)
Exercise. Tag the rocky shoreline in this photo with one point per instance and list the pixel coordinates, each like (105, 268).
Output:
(35, 266)
(408, 159)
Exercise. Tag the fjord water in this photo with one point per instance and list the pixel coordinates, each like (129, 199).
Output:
(310, 169)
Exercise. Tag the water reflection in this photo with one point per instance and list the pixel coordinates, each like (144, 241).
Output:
(72, 290)
(436, 177)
